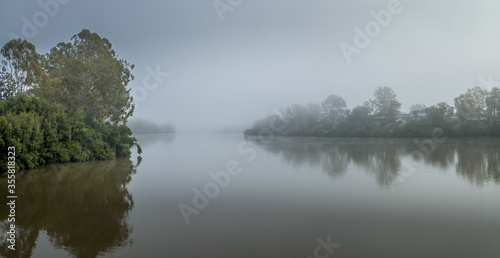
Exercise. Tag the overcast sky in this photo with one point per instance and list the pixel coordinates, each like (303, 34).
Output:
(268, 54)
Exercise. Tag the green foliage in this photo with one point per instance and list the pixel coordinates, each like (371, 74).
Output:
(42, 134)
(377, 118)
(20, 70)
(87, 75)
(360, 118)
(71, 104)
(472, 104)
(384, 104)
(493, 100)
(334, 110)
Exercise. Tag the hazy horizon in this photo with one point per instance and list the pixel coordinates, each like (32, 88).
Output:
(267, 55)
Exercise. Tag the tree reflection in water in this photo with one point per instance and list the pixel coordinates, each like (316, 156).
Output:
(477, 160)
(82, 207)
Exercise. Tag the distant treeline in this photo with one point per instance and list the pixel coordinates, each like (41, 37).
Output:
(476, 113)
(71, 104)
(142, 126)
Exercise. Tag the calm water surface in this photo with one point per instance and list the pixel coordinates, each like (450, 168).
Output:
(372, 198)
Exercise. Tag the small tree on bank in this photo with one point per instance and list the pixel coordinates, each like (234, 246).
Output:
(334, 110)
(384, 105)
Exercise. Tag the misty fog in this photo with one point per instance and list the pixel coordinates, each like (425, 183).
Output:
(206, 70)
(250, 128)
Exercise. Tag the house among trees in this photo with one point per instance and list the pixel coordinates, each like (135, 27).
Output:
(419, 114)
(403, 117)
(475, 113)
(496, 113)
(406, 117)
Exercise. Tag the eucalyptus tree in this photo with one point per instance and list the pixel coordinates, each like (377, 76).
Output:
(334, 110)
(384, 104)
(472, 104)
(493, 102)
(21, 70)
(87, 75)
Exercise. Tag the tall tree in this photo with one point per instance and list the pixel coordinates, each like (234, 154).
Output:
(360, 117)
(472, 104)
(295, 116)
(384, 104)
(438, 114)
(87, 75)
(20, 68)
(416, 109)
(7, 86)
(313, 114)
(334, 110)
(493, 101)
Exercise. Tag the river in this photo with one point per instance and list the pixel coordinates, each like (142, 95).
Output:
(224, 195)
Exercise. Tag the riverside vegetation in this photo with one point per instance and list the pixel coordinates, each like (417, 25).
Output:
(71, 104)
(475, 113)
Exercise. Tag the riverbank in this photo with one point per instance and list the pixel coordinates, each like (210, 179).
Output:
(41, 133)
(421, 128)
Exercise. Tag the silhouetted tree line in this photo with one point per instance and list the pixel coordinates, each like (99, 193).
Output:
(71, 104)
(476, 113)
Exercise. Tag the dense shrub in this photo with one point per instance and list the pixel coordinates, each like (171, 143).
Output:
(42, 133)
